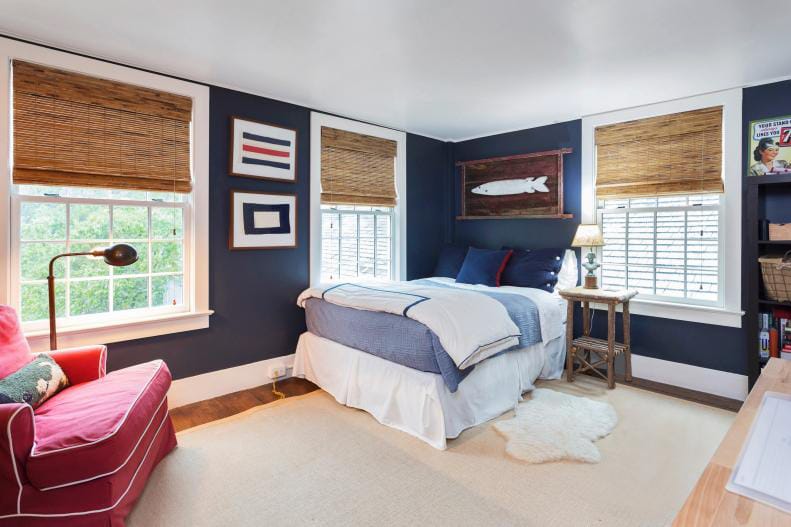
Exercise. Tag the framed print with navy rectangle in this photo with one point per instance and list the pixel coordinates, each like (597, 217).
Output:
(263, 151)
(262, 220)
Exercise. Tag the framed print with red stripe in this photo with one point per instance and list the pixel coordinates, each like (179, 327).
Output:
(262, 150)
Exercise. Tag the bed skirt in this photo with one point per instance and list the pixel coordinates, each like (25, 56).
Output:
(419, 403)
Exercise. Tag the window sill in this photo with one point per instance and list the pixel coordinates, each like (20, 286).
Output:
(717, 316)
(122, 330)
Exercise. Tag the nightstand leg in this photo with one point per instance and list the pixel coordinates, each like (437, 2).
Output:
(627, 342)
(569, 339)
(586, 319)
(611, 346)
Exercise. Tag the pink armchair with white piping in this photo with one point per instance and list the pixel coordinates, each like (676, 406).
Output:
(83, 456)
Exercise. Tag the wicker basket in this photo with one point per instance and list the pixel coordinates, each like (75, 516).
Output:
(776, 272)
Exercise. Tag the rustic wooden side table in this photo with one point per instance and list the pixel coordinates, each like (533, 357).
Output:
(584, 348)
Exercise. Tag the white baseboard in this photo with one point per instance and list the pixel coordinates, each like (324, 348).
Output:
(722, 383)
(221, 382)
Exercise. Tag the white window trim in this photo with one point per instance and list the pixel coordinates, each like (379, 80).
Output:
(729, 313)
(196, 232)
(317, 120)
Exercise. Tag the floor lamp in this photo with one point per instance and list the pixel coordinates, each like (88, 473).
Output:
(119, 255)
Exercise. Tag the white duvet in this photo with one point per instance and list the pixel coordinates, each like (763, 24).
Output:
(471, 326)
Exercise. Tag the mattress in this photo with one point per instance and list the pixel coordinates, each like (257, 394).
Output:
(417, 402)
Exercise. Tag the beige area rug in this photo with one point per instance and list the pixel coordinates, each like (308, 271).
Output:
(310, 461)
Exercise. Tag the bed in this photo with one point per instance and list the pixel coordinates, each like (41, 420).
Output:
(430, 357)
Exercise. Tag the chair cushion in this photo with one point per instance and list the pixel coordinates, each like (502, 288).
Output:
(92, 429)
(33, 383)
(14, 350)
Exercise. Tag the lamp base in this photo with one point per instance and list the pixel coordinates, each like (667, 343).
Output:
(591, 282)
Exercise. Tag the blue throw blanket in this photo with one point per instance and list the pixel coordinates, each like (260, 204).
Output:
(406, 341)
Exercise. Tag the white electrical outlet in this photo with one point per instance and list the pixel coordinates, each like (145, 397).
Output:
(277, 371)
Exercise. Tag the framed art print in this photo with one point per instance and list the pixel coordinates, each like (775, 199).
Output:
(262, 220)
(261, 150)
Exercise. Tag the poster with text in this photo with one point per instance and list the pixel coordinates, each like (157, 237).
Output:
(770, 147)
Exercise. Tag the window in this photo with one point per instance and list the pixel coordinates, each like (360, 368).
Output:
(358, 201)
(356, 242)
(664, 182)
(665, 247)
(100, 154)
(55, 220)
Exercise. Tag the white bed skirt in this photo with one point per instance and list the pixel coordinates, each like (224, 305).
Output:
(417, 402)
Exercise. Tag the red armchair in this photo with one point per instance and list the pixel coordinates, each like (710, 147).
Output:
(83, 457)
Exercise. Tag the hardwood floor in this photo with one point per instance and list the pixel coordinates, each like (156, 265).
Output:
(233, 403)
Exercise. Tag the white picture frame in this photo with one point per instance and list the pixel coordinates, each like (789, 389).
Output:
(262, 220)
(262, 150)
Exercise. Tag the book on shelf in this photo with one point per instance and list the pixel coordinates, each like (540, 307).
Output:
(774, 335)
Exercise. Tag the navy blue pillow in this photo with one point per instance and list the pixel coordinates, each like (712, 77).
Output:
(450, 260)
(536, 268)
(483, 266)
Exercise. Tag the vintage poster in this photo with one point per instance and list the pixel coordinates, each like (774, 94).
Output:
(770, 146)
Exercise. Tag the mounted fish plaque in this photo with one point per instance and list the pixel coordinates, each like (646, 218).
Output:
(521, 186)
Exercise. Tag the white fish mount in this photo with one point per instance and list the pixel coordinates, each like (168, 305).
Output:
(509, 187)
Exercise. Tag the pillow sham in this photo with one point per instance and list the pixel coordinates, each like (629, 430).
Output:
(33, 383)
(450, 261)
(483, 266)
(537, 268)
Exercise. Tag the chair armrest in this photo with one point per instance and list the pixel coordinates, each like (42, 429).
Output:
(16, 443)
(82, 364)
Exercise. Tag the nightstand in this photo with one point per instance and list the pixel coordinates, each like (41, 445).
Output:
(593, 352)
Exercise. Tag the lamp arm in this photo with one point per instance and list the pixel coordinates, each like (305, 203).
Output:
(53, 336)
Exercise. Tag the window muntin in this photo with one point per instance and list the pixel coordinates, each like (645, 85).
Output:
(357, 242)
(53, 220)
(667, 247)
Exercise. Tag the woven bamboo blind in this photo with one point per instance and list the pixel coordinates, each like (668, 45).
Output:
(77, 130)
(357, 169)
(680, 153)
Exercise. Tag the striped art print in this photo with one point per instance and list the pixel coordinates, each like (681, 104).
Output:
(261, 150)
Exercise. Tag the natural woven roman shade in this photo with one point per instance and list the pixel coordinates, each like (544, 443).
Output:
(680, 153)
(357, 169)
(73, 129)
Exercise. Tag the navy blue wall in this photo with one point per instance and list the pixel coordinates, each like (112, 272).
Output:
(253, 293)
(703, 345)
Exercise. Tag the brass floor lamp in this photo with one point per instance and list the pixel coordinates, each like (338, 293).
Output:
(119, 255)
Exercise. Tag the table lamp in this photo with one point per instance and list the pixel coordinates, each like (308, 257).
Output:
(589, 235)
(119, 255)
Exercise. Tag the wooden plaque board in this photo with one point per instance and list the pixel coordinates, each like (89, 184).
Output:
(518, 204)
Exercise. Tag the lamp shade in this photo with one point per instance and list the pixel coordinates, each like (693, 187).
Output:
(119, 255)
(588, 235)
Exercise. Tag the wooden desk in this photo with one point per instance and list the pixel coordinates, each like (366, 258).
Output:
(710, 504)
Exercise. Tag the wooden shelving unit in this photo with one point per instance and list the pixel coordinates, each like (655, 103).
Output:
(759, 188)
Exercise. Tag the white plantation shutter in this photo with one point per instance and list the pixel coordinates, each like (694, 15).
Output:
(356, 242)
(666, 247)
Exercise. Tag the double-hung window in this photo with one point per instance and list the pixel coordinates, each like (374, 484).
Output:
(358, 202)
(54, 220)
(661, 202)
(102, 155)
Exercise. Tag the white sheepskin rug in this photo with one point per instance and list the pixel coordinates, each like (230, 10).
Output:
(552, 426)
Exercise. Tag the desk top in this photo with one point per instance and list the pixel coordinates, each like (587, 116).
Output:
(710, 504)
(598, 295)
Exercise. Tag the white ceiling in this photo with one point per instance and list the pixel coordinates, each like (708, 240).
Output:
(450, 69)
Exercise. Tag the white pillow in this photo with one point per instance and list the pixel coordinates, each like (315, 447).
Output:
(569, 272)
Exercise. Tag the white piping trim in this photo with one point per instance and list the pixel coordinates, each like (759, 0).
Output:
(122, 465)
(13, 457)
(102, 362)
(117, 427)
(85, 513)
